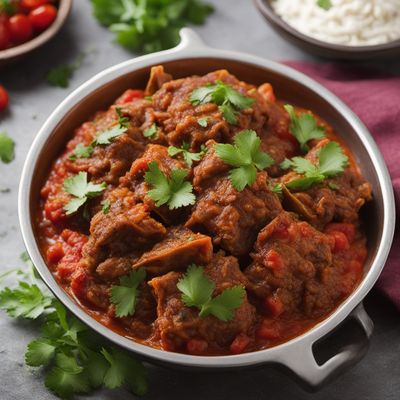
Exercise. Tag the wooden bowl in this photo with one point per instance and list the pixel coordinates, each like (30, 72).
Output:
(321, 48)
(15, 53)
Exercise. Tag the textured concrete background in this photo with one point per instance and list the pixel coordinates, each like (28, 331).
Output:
(235, 25)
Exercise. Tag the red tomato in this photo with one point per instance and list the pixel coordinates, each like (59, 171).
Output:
(5, 35)
(130, 95)
(43, 16)
(273, 304)
(20, 28)
(239, 344)
(3, 98)
(55, 253)
(31, 4)
(196, 346)
(274, 261)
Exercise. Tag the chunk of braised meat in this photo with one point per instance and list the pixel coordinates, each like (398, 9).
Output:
(179, 118)
(336, 199)
(115, 267)
(134, 179)
(291, 263)
(230, 217)
(109, 162)
(157, 78)
(178, 326)
(127, 227)
(180, 248)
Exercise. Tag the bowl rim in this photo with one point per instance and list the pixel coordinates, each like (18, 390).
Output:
(64, 10)
(192, 47)
(266, 9)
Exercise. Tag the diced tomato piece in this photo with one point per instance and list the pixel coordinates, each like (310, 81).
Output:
(55, 253)
(130, 95)
(341, 242)
(139, 165)
(78, 284)
(266, 90)
(273, 260)
(196, 346)
(54, 211)
(268, 330)
(273, 304)
(348, 229)
(74, 239)
(239, 344)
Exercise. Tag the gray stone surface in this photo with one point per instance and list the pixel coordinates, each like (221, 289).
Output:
(235, 25)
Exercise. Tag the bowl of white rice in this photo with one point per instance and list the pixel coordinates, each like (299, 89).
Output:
(342, 29)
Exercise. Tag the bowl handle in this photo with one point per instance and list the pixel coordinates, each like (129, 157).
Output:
(303, 363)
(190, 40)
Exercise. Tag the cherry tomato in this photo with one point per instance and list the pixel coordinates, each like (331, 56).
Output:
(43, 16)
(32, 4)
(3, 98)
(5, 34)
(20, 28)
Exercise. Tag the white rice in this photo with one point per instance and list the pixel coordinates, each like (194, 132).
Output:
(348, 22)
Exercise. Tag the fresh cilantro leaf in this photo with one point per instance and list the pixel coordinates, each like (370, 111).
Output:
(81, 151)
(8, 6)
(82, 190)
(106, 206)
(203, 122)
(304, 128)
(122, 119)
(325, 4)
(224, 305)
(124, 369)
(186, 154)
(149, 25)
(277, 189)
(125, 295)
(61, 75)
(333, 186)
(197, 291)
(151, 132)
(26, 301)
(148, 98)
(40, 352)
(64, 383)
(245, 156)
(229, 100)
(107, 136)
(175, 191)
(6, 148)
(331, 162)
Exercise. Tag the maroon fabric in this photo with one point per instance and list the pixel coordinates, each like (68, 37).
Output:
(375, 98)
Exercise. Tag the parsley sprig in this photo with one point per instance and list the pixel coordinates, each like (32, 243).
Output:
(186, 154)
(331, 162)
(75, 359)
(304, 128)
(229, 100)
(103, 138)
(325, 4)
(125, 295)
(81, 190)
(175, 191)
(246, 158)
(197, 292)
(6, 148)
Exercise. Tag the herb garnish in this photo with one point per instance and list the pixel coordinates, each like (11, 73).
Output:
(325, 4)
(229, 100)
(6, 148)
(81, 190)
(149, 26)
(186, 154)
(105, 206)
(304, 128)
(197, 290)
(245, 155)
(76, 359)
(175, 191)
(151, 132)
(125, 295)
(103, 138)
(331, 162)
(203, 122)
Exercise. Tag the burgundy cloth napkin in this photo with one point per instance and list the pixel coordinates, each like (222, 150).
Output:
(375, 98)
